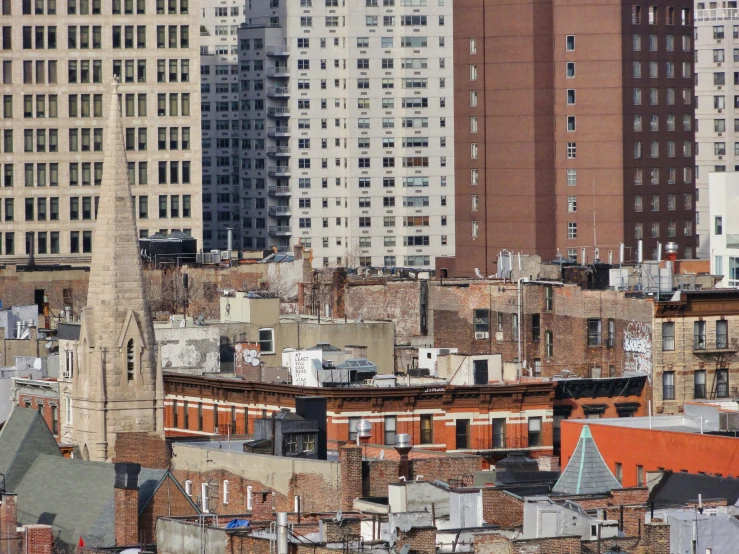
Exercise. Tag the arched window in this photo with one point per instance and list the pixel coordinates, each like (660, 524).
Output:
(129, 359)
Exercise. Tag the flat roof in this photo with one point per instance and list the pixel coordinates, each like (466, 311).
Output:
(677, 423)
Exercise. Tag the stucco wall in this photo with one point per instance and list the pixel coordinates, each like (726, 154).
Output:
(272, 471)
(189, 349)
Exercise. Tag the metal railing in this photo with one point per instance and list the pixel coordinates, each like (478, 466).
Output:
(277, 150)
(278, 51)
(279, 230)
(279, 210)
(278, 191)
(278, 72)
(717, 15)
(278, 131)
(720, 343)
(278, 91)
(278, 112)
(279, 171)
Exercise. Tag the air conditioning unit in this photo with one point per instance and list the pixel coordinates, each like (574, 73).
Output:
(445, 351)
(482, 335)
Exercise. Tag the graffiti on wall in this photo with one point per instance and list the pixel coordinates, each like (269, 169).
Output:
(638, 347)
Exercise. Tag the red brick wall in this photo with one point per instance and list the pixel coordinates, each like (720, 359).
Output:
(338, 531)
(553, 545)
(428, 465)
(657, 537)
(316, 494)
(39, 539)
(501, 508)
(350, 463)
(422, 540)
(146, 449)
(46, 409)
(8, 521)
(126, 517)
(167, 501)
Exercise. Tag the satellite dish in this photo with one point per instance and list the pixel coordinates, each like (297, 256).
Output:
(251, 357)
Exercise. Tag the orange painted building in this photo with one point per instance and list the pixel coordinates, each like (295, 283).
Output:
(490, 420)
(626, 449)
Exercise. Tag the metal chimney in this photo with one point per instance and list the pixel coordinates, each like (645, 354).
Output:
(127, 475)
(403, 446)
(281, 531)
(229, 244)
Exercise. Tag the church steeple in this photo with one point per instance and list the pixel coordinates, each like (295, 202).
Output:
(118, 386)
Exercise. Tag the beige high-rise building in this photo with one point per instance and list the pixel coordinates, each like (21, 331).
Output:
(117, 385)
(57, 58)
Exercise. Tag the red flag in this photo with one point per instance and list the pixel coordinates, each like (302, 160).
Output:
(81, 543)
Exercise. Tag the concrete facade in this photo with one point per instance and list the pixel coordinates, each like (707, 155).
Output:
(219, 87)
(117, 384)
(721, 226)
(356, 102)
(716, 37)
(189, 349)
(58, 60)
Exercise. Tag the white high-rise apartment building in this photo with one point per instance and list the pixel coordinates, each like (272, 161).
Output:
(347, 129)
(717, 103)
(58, 61)
(219, 87)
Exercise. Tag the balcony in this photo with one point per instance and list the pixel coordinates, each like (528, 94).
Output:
(278, 72)
(279, 231)
(278, 92)
(732, 241)
(279, 211)
(719, 344)
(278, 51)
(278, 151)
(279, 171)
(278, 112)
(278, 131)
(725, 14)
(278, 191)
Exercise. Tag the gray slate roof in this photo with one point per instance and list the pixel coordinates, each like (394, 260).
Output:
(76, 498)
(586, 472)
(24, 436)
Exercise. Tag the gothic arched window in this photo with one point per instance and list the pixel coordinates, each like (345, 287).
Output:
(129, 359)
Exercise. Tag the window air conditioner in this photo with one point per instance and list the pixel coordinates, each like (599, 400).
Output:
(482, 335)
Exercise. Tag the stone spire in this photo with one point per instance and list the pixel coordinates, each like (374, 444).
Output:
(118, 386)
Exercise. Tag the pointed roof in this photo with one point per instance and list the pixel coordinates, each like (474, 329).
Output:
(24, 436)
(51, 493)
(586, 472)
(116, 276)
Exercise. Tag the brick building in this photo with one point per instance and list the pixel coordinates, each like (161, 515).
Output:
(563, 117)
(491, 420)
(695, 354)
(42, 395)
(592, 333)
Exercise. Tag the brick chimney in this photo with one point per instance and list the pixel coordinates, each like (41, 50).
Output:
(39, 539)
(127, 503)
(350, 466)
(8, 521)
(261, 506)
